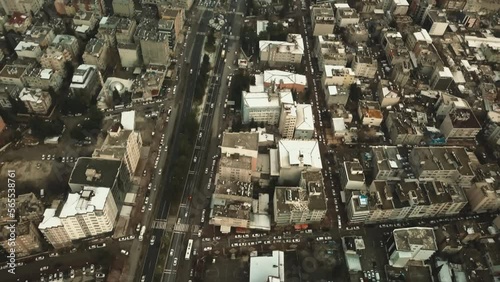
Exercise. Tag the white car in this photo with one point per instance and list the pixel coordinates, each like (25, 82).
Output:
(152, 241)
(39, 258)
(175, 261)
(124, 252)
(206, 170)
(171, 252)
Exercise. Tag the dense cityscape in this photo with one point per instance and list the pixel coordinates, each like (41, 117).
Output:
(250, 140)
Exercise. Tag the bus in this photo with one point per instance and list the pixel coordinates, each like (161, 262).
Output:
(188, 250)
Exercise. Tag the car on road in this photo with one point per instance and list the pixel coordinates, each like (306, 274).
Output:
(171, 252)
(43, 268)
(39, 258)
(72, 273)
(206, 170)
(125, 252)
(195, 159)
(175, 261)
(92, 268)
(100, 275)
(191, 71)
(143, 278)
(152, 241)
(150, 207)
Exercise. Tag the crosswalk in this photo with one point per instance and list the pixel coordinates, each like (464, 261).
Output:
(160, 224)
(181, 227)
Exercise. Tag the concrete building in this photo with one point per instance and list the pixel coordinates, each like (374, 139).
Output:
(400, 74)
(8, 92)
(448, 103)
(96, 53)
(130, 55)
(42, 35)
(113, 85)
(122, 144)
(18, 22)
(411, 244)
(370, 113)
(365, 65)
(352, 176)
(28, 50)
(268, 268)
(27, 239)
(85, 81)
(44, 79)
(415, 39)
(303, 204)
(53, 229)
(398, 7)
(284, 80)
(236, 167)
(330, 50)
(304, 126)
(337, 75)
(148, 85)
(394, 47)
(153, 43)
(13, 74)
(441, 78)
(168, 26)
(36, 101)
(492, 129)
(240, 143)
(264, 106)
(447, 164)
(406, 128)
(21, 6)
(345, 15)
(282, 52)
(460, 123)
(115, 30)
(336, 95)
(296, 156)
(389, 163)
(322, 19)
(123, 8)
(483, 197)
(356, 34)
(104, 173)
(175, 14)
(388, 93)
(90, 212)
(288, 120)
(55, 57)
(435, 23)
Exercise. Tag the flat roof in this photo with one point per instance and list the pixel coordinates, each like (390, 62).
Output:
(464, 118)
(405, 238)
(264, 268)
(299, 152)
(294, 47)
(354, 171)
(89, 200)
(95, 172)
(284, 77)
(243, 140)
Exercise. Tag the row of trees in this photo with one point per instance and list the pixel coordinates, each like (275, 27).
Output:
(202, 81)
(240, 82)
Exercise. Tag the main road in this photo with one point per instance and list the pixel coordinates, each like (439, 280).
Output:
(185, 90)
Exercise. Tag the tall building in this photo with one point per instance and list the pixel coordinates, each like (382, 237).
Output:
(55, 57)
(370, 113)
(67, 42)
(123, 8)
(27, 239)
(53, 229)
(492, 129)
(388, 93)
(264, 106)
(406, 128)
(130, 55)
(400, 73)
(336, 95)
(44, 79)
(460, 123)
(435, 23)
(21, 6)
(288, 120)
(304, 126)
(13, 75)
(85, 82)
(236, 168)
(36, 101)
(411, 244)
(282, 52)
(337, 75)
(240, 143)
(168, 26)
(345, 15)
(483, 197)
(303, 204)
(96, 53)
(153, 43)
(284, 80)
(115, 30)
(90, 212)
(103, 173)
(365, 65)
(177, 15)
(323, 19)
(294, 157)
(330, 50)
(352, 176)
(28, 50)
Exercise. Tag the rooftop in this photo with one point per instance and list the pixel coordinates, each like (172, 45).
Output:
(95, 47)
(302, 199)
(299, 153)
(10, 71)
(294, 45)
(284, 77)
(370, 109)
(354, 171)
(442, 158)
(268, 268)
(95, 172)
(464, 118)
(407, 238)
(236, 161)
(331, 71)
(89, 200)
(241, 140)
(305, 118)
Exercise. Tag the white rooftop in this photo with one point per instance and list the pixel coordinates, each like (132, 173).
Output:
(332, 90)
(259, 100)
(295, 47)
(50, 220)
(77, 203)
(305, 118)
(295, 152)
(285, 77)
(79, 77)
(261, 268)
(46, 73)
(128, 120)
(446, 72)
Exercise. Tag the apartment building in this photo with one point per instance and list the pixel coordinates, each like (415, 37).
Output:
(352, 176)
(411, 244)
(356, 34)
(284, 80)
(441, 78)
(90, 212)
(448, 164)
(447, 103)
(435, 23)
(44, 79)
(303, 204)
(21, 6)
(13, 75)
(55, 57)
(175, 14)
(8, 92)
(400, 74)
(36, 101)
(121, 144)
(370, 113)
(345, 15)
(288, 120)
(123, 8)
(304, 126)
(26, 49)
(294, 157)
(483, 197)
(105, 173)
(388, 93)
(240, 143)
(53, 230)
(330, 50)
(394, 47)
(115, 30)
(86, 19)
(18, 22)
(67, 42)
(96, 53)
(322, 19)
(168, 27)
(365, 65)
(130, 55)
(282, 52)
(85, 82)
(460, 123)
(406, 128)
(42, 35)
(337, 75)
(264, 107)
(390, 163)
(237, 168)
(336, 95)
(492, 129)
(398, 7)
(153, 43)
(27, 239)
